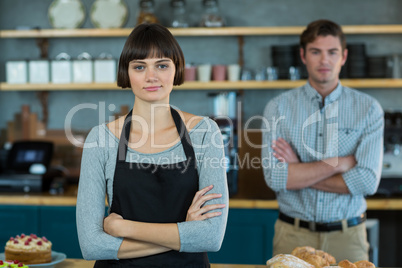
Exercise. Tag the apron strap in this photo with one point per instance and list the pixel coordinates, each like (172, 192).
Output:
(124, 138)
(184, 136)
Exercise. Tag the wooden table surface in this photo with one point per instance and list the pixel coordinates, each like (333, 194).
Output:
(69, 198)
(79, 263)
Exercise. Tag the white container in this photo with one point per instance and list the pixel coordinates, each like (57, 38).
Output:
(83, 69)
(39, 71)
(204, 72)
(16, 72)
(61, 69)
(105, 70)
(234, 72)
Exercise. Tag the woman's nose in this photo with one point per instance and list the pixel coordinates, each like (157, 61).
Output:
(151, 75)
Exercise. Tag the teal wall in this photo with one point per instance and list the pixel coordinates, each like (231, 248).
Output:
(215, 50)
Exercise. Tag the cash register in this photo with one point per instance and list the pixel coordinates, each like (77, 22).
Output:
(26, 164)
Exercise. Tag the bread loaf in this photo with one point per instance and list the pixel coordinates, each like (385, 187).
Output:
(364, 264)
(328, 257)
(287, 261)
(318, 258)
(346, 264)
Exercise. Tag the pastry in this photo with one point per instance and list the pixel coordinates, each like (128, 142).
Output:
(318, 258)
(326, 256)
(346, 264)
(287, 261)
(299, 250)
(29, 249)
(364, 264)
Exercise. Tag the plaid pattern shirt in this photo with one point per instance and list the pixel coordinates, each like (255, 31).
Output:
(349, 122)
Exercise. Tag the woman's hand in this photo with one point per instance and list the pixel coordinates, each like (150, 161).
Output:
(112, 224)
(198, 212)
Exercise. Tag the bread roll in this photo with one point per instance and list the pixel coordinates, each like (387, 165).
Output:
(328, 257)
(287, 261)
(346, 264)
(299, 250)
(364, 264)
(315, 260)
(318, 258)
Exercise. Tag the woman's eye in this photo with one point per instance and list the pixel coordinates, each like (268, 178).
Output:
(163, 66)
(139, 67)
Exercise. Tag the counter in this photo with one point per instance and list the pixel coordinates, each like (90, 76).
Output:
(79, 263)
(70, 196)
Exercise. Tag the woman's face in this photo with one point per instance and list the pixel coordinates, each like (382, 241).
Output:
(152, 79)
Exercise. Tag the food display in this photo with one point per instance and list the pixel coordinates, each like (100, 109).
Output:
(364, 264)
(358, 264)
(318, 258)
(287, 261)
(12, 264)
(29, 249)
(310, 257)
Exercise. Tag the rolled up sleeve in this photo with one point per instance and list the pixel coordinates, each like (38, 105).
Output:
(275, 172)
(364, 178)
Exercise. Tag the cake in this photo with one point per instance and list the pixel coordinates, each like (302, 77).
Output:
(29, 249)
(12, 264)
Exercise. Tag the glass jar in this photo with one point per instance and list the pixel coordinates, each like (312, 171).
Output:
(147, 12)
(211, 16)
(179, 17)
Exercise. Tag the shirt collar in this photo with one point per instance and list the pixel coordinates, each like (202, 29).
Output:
(314, 95)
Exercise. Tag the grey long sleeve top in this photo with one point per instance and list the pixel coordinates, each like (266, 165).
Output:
(96, 184)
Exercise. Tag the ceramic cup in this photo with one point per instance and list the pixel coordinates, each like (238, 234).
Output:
(190, 73)
(233, 72)
(204, 72)
(219, 72)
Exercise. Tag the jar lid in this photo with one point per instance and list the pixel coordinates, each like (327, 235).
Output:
(210, 2)
(146, 3)
(177, 3)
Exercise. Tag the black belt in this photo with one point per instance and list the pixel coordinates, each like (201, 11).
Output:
(323, 227)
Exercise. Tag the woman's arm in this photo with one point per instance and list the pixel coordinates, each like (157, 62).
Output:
(165, 235)
(94, 242)
(207, 235)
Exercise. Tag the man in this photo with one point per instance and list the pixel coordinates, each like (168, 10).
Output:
(324, 152)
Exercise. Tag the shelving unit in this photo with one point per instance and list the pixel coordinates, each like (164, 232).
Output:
(225, 31)
(213, 85)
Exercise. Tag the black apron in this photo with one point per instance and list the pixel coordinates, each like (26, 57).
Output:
(157, 194)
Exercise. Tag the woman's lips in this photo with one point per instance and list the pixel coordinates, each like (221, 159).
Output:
(154, 88)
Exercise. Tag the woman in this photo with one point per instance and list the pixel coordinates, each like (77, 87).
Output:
(168, 196)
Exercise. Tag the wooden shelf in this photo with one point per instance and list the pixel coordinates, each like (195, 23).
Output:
(199, 31)
(212, 85)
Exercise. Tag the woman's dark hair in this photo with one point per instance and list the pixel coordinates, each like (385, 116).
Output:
(150, 40)
(321, 28)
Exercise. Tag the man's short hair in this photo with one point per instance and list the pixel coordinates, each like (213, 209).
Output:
(322, 28)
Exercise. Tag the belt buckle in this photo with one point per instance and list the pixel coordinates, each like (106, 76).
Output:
(311, 226)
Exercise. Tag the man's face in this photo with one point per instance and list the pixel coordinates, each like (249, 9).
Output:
(323, 59)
